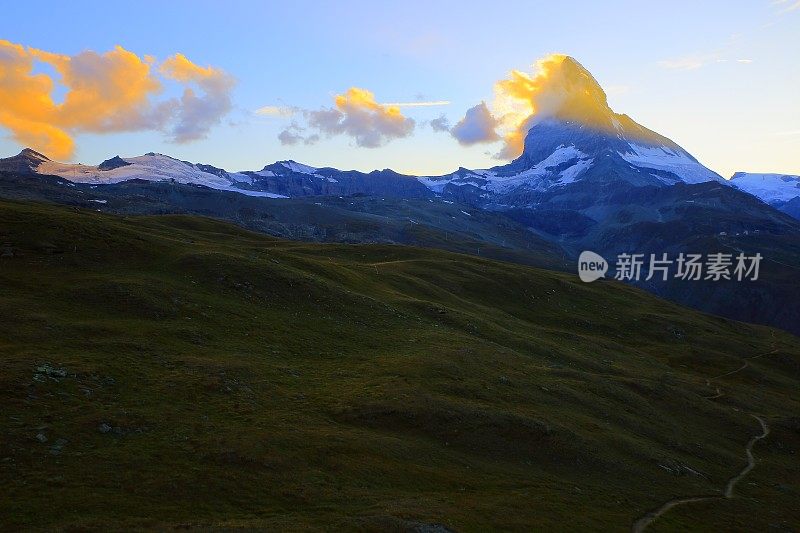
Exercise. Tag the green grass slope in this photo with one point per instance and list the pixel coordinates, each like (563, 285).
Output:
(178, 371)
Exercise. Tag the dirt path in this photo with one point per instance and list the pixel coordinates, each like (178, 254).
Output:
(642, 523)
(751, 461)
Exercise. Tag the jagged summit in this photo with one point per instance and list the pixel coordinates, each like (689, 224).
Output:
(33, 154)
(111, 164)
(569, 93)
(25, 162)
(293, 166)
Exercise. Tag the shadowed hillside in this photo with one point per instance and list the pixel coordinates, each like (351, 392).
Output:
(174, 370)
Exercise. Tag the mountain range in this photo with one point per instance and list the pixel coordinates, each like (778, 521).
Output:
(587, 178)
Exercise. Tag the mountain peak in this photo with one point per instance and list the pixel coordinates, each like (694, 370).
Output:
(300, 168)
(569, 93)
(25, 162)
(111, 164)
(29, 153)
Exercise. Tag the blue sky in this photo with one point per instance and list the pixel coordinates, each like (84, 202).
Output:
(719, 78)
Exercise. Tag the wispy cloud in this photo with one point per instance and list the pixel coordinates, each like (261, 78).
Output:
(275, 111)
(690, 62)
(696, 61)
(787, 5)
(440, 123)
(417, 104)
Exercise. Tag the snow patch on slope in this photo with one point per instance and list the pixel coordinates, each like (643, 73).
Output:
(540, 175)
(152, 167)
(663, 158)
(146, 167)
(536, 174)
(768, 187)
(300, 168)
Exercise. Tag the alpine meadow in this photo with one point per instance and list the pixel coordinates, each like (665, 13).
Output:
(537, 314)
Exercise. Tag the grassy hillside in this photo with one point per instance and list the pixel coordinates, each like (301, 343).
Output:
(177, 371)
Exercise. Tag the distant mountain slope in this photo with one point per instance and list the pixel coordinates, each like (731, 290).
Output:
(364, 219)
(781, 191)
(178, 372)
(281, 179)
(769, 187)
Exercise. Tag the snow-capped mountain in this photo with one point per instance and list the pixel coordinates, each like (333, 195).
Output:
(583, 139)
(772, 188)
(558, 154)
(148, 167)
(580, 143)
(277, 180)
(781, 191)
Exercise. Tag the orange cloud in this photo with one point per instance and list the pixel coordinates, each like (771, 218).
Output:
(178, 67)
(358, 115)
(108, 92)
(559, 87)
(26, 107)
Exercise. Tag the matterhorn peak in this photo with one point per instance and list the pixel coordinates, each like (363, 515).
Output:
(563, 89)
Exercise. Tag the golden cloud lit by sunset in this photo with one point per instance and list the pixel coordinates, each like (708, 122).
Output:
(109, 92)
(559, 87)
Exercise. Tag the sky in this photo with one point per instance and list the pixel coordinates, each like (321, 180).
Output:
(242, 84)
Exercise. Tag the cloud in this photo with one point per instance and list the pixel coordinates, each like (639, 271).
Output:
(559, 87)
(275, 111)
(432, 103)
(355, 114)
(197, 114)
(109, 92)
(294, 134)
(689, 62)
(289, 137)
(440, 123)
(477, 126)
(787, 5)
(696, 61)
